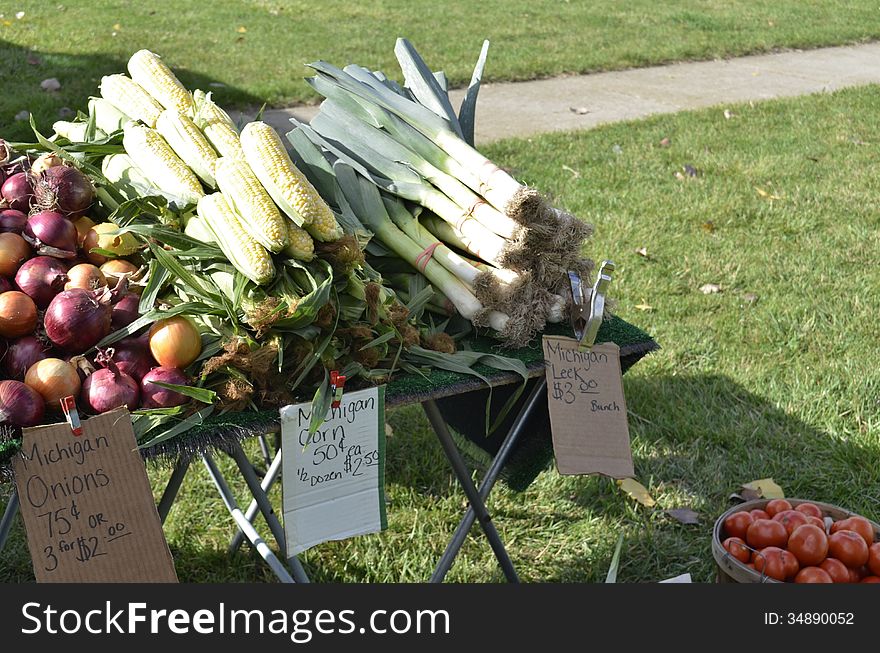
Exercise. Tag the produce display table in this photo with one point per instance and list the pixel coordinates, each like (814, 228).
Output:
(519, 449)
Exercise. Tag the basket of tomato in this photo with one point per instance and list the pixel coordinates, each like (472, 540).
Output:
(792, 540)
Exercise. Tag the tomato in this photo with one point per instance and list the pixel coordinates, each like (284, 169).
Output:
(810, 509)
(776, 505)
(816, 522)
(837, 570)
(737, 548)
(858, 525)
(848, 547)
(874, 559)
(809, 544)
(791, 519)
(737, 524)
(766, 532)
(790, 564)
(770, 562)
(757, 513)
(871, 579)
(812, 575)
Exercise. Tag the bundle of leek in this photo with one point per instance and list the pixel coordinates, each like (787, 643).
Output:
(408, 142)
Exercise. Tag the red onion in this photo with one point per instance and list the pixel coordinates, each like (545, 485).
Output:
(77, 319)
(5, 285)
(132, 356)
(12, 221)
(17, 192)
(64, 188)
(125, 311)
(155, 396)
(20, 405)
(52, 234)
(21, 354)
(110, 388)
(41, 278)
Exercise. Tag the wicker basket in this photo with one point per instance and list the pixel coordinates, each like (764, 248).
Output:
(731, 570)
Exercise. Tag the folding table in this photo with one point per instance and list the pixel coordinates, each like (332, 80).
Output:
(441, 395)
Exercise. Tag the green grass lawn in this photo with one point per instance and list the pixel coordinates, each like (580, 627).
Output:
(257, 48)
(774, 376)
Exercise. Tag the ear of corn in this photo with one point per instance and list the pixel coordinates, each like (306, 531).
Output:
(290, 189)
(259, 215)
(132, 100)
(121, 171)
(159, 164)
(107, 117)
(300, 245)
(245, 253)
(148, 70)
(196, 228)
(75, 132)
(189, 144)
(217, 126)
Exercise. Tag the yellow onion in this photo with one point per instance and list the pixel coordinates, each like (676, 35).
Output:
(53, 379)
(175, 342)
(14, 251)
(90, 241)
(18, 314)
(115, 268)
(83, 226)
(85, 276)
(107, 238)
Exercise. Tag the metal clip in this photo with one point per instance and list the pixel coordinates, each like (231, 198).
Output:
(578, 322)
(597, 306)
(337, 384)
(71, 414)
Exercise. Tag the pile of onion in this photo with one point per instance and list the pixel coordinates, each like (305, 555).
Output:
(51, 234)
(12, 221)
(132, 356)
(13, 252)
(175, 342)
(18, 314)
(17, 192)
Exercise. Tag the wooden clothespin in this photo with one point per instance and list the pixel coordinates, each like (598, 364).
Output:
(71, 414)
(337, 385)
(587, 313)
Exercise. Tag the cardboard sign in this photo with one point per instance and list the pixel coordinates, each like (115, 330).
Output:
(87, 505)
(587, 408)
(334, 482)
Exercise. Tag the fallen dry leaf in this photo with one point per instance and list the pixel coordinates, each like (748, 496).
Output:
(617, 149)
(710, 288)
(643, 251)
(664, 142)
(708, 226)
(242, 30)
(581, 111)
(117, 27)
(574, 173)
(679, 176)
(764, 193)
(765, 487)
(643, 307)
(750, 297)
(388, 430)
(684, 515)
(636, 491)
(728, 114)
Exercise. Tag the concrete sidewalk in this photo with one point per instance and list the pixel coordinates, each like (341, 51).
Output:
(583, 101)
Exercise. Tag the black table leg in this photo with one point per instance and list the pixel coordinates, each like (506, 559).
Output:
(173, 487)
(488, 483)
(464, 478)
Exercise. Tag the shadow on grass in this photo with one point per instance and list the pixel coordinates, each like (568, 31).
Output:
(696, 440)
(22, 71)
